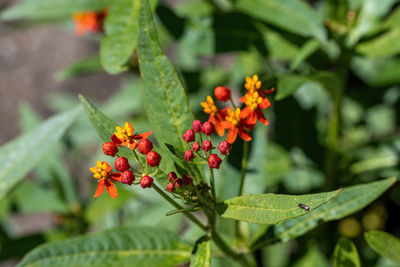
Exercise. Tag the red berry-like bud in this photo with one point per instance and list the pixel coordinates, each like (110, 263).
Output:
(187, 180)
(189, 156)
(196, 147)
(188, 136)
(207, 146)
(172, 176)
(224, 147)
(127, 177)
(196, 126)
(153, 158)
(146, 181)
(178, 183)
(170, 187)
(222, 93)
(122, 164)
(110, 149)
(145, 146)
(208, 128)
(214, 161)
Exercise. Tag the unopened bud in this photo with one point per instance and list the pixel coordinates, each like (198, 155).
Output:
(196, 147)
(208, 128)
(146, 181)
(222, 93)
(189, 136)
(122, 164)
(110, 149)
(196, 126)
(189, 156)
(153, 158)
(207, 146)
(127, 177)
(145, 146)
(170, 187)
(187, 180)
(214, 161)
(172, 176)
(224, 147)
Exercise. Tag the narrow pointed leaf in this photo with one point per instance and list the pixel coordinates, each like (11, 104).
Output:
(121, 28)
(201, 256)
(386, 45)
(346, 254)
(350, 200)
(273, 208)
(295, 16)
(384, 244)
(22, 154)
(51, 9)
(165, 100)
(116, 247)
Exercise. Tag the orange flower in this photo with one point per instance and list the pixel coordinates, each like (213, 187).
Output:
(125, 136)
(216, 115)
(89, 21)
(254, 106)
(106, 178)
(236, 126)
(252, 84)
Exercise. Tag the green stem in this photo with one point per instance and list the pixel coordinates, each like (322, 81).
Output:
(138, 161)
(212, 182)
(245, 158)
(176, 205)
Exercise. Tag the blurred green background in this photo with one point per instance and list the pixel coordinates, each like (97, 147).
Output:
(334, 119)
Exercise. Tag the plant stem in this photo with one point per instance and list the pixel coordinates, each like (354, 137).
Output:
(212, 182)
(176, 205)
(242, 176)
(138, 161)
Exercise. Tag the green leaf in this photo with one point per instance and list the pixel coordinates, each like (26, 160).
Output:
(309, 48)
(272, 208)
(121, 28)
(350, 200)
(384, 244)
(201, 256)
(346, 254)
(84, 66)
(288, 84)
(313, 257)
(164, 97)
(51, 9)
(377, 72)
(140, 247)
(22, 154)
(386, 45)
(295, 16)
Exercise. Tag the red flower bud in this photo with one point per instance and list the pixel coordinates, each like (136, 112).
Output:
(153, 158)
(188, 136)
(110, 149)
(208, 128)
(196, 126)
(187, 180)
(127, 177)
(122, 164)
(189, 156)
(207, 146)
(224, 147)
(172, 176)
(178, 183)
(196, 147)
(145, 146)
(170, 187)
(214, 161)
(146, 181)
(222, 93)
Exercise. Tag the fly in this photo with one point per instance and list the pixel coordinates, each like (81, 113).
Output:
(304, 207)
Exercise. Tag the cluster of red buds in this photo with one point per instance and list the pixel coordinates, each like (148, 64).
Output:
(178, 183)
(204, 148)
(125, 137)
(238, 121)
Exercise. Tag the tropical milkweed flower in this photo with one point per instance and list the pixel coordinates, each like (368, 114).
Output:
(236, 126)
(125, 136)
(252, 84)
(217, 116)
(106, 179)
(89, 21)
(255, 103)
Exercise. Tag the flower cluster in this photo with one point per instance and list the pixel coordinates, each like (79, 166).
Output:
(125, 137)
(178, 183)
(204, 148)
(238, 121)
(89, 21)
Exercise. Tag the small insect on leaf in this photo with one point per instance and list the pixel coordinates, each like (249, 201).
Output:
(304, 207)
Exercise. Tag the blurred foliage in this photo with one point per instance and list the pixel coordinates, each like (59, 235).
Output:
(334, 123)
